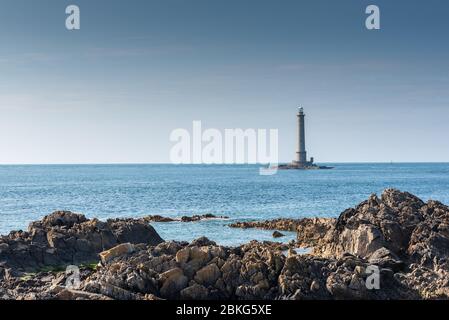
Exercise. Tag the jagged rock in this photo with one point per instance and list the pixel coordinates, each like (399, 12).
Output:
(112, 291)
(67, 294)
(60, 219)
(195, 292)
(182, 256)
(199, 256)
(384, 258)
(202, 242)
(387, 223)
(64, 238)
(208, 275)
(173, 281)
(311, 231)
(300, 275)
(429, 241)
(121, 249)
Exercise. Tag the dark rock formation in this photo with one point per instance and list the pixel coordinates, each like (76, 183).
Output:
(194, 218)
(278, 234)
(158, 218)
(277, 224)
(175, 270)
(393, 229)
(397, 232)
(64, 238)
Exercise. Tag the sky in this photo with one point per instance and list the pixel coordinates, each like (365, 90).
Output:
(113, 91)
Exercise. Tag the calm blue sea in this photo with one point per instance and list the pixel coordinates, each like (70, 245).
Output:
(28, 193)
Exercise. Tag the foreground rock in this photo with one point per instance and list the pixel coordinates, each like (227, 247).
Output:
(393, 247)
(400, 232)
(64, 238)
(204, 270)
(397, 232)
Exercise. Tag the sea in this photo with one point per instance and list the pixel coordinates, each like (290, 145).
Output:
(29, 192)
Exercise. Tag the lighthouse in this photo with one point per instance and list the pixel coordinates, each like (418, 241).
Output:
(301, 154)
(301, 162)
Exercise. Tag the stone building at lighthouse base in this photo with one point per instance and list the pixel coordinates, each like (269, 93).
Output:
(301, 166)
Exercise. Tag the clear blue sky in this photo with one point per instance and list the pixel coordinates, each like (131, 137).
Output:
(113, 91)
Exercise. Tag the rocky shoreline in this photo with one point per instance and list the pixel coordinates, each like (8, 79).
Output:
(397, 240)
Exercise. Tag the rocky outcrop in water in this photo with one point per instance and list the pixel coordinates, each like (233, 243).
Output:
(392, 247)
(310, 230)
(277, 224)
(194, 218)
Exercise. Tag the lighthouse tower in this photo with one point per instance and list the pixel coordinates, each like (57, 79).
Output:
(301, 162)
(301, 153)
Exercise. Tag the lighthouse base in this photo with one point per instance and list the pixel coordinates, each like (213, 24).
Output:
(295, 165)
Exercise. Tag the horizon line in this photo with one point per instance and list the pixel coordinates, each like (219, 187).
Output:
(213, 164)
